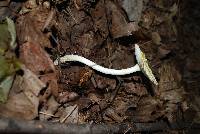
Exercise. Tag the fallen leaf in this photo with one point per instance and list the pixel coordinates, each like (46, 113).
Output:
(66, 96)
(52, 107)
(51, 80)
(29, 28)
(8, 62)
(135, 88)
(23, 99)
(148, 109)
(133, 9)
(5, 86)
(171, 92)
(7, 36)
(109, 112)
(100, 18)
(156, 38)
(70, 115)
(163, 52)
(94, 98)
(104, 83)
(6, 68)
(120, 26)
(12, 31)
(147, 19)
(35, 58)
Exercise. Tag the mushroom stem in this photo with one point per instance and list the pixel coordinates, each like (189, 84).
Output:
(98, 67)
(141, 66)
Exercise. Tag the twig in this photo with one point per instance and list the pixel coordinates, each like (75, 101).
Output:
(29, 127)
(63, 120)
(48, 114)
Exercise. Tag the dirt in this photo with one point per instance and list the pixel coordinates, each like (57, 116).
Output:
(105, 32)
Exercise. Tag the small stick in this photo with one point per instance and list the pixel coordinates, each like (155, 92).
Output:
(48, 114)
(63, 120)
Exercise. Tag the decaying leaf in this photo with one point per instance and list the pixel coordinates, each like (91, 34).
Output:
(163, 52)
(100, 19)
(171, 91)
(148, 109)
(51, 80)
(38, 61)
(66, 96)
(5, 86)
(8, 62)
(156, 38)
(35, 58)
(23, 99)
(133, 9)
(135, 88)
(29, 28)
(52, 107)
(120, 26)
(111, 113)
(7, 35)
(12, 31)
(70, 115)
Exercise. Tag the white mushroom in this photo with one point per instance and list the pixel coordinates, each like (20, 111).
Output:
(141, 66)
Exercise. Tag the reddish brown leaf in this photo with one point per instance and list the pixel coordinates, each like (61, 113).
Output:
(35, 58)
(67, 96)
(29, 27)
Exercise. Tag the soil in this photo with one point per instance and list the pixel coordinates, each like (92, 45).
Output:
(106, 31)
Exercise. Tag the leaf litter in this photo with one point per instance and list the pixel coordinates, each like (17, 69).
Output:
(104, 32)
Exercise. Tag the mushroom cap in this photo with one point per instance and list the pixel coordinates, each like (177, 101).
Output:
(143, 64)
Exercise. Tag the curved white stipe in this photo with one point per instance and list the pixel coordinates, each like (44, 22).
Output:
(141, 66)
(98, 67)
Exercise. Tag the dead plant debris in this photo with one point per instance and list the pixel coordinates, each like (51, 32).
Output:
(104, 31)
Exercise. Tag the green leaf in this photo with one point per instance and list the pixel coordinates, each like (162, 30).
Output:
(4, 71)
(5, 86)
(12, 31)
(7, 35)
(8, 61)
(8, 67)
(4, 38)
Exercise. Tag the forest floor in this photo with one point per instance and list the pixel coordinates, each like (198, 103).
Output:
(105, 32)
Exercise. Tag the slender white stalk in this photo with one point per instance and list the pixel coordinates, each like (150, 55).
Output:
(141, 66)
(98, 67)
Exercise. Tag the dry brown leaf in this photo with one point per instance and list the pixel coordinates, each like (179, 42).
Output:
(171, 90)
(163, 52)
(120, 26)
(70, 115)
(39, 62)
(66, 96)
(170, 78)
(29, 27)
(121, 107)
(51, 80)
(23, 99)
(52, 107)
(111, 113)
(156, 38)
(133, 9)
(135, 88)
(105, 83)
(94, 98)
(100, 19)
(148, 109)
(35, 58)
